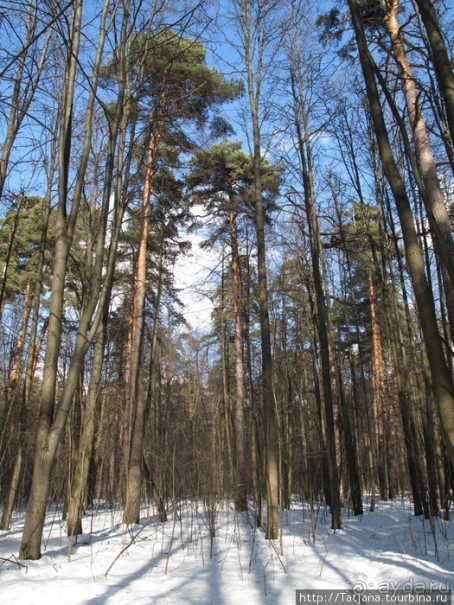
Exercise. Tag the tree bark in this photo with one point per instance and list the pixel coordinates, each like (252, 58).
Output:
(83, 457)
(440, 58)
(254, 80)
(36, 510)
(136, 389)
(441, 379)
(240, 488)
(50, 429)
(432, 194)
(304, 150)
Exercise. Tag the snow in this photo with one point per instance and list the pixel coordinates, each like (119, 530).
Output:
(170, 563)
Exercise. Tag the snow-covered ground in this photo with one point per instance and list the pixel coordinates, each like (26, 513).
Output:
(170, 563)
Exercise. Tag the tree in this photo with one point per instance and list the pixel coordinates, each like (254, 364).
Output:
(222, 178)
(430, 188)
(177, 88)
(258, 31)
(25, 81)
(301, 122)
(442, 382)
(117, 118)
(440, 58)
(50, 428)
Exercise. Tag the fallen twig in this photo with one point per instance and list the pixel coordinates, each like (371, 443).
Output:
(12, 559)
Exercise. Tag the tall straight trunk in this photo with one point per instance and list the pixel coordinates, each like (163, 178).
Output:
(136, 389)
(441, 379)
(404, 357)
(351, 451)
(254, 80)
(377, 388)
(349, 420)
(271, 426)
(226, 397)
(50, 429)
(440, 58)
(323, 321)
(83, 457)
(432, 194)
(240, 488)
(407, 413)
(161, 427)
(34, 521)
(257, 448)
(318, 382)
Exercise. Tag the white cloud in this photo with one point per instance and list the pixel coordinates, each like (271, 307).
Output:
(192, 273)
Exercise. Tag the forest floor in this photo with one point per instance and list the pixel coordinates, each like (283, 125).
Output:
(170, 563)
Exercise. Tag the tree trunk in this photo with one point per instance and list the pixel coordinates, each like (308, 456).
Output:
(440, 58)
(36, 511)
(240, 488)
(441, 379)
(83, 458)
(269, 405)
(304, 150)
(50, 429)
(377, 388)
(15, 424)
(432, 194)
(136, 388)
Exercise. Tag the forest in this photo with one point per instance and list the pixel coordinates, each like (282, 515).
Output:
(303, 152)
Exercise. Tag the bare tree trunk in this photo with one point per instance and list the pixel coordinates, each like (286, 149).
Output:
(50, 429)
(351, 451)
(407, 412)
(161, 427)
(441, 379)
(254, 80)
(83, 455)
(23, 93)
(304, 150)
(432, 194)
(254, 411)
(440, 58)
(226, 397)
(34, 521)
(11, 412)
(79, 481)
(241, 488)
(15, 423)
(377, 388)
(135, 470)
